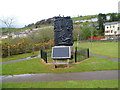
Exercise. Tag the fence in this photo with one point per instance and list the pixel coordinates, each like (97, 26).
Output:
(81, 54)
(96, 38)
(44, 55)
(78, 55)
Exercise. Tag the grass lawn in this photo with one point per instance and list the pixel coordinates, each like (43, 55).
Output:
(20, 56)
(64, 84)
(109, 49)
(38, 66)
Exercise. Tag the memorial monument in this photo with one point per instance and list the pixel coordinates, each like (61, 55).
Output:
(63, 38)
(63, 28)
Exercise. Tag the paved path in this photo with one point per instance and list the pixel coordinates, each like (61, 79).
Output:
(19, 60)
(84, 76)
(114, 59)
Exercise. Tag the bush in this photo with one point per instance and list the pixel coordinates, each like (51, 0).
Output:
(24, 47)
(4, 49)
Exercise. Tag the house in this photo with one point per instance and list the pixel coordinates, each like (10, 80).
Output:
(18, 34)
(23, 34)
(15, 34)
(3, 37)
(112, 29)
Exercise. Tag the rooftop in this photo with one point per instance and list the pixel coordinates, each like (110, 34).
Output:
(17, 33)
(111, 23)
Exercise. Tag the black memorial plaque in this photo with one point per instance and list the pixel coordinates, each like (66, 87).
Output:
(61, 52)
(63, 27)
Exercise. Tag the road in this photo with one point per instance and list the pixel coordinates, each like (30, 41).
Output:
(81, 76)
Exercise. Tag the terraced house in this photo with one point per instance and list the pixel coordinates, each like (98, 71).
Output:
(112, 30)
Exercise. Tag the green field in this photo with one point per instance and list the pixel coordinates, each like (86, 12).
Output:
(109, 49)
(38, 66)
(64, 84)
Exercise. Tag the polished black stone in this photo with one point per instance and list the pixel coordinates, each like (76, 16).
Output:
(63, 27)
(61, 52)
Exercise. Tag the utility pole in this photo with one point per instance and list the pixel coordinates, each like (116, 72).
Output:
(91, 30)
(78, 35)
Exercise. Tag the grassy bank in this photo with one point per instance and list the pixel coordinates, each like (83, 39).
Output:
(5, 30)
(109, 49)
(20, 56)
(84, 17)
(38, 66)
(64, 84)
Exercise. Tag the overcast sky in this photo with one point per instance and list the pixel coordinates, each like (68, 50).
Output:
(30, 11)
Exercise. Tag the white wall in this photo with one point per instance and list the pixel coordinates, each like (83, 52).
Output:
(111, 29)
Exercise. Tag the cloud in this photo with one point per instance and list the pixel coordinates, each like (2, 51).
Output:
(28, 11)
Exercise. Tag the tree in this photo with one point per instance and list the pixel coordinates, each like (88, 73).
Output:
(32, 39)
(118, 16)
(8, 22)
(101, 20)
(85, 32)
(113, 17)
(76, 32)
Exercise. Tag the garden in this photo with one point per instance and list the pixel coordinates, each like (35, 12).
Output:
(30, 46)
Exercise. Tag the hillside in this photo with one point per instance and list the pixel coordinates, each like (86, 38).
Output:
(110, 17)
(84, 17)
